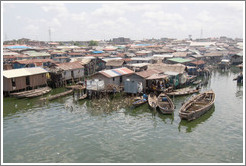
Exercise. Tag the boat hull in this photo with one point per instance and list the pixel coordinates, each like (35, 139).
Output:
(192, 115)
(152, 100)
(139, 102)
(165, 107)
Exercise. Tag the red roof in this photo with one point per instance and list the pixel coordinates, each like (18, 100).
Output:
(199, 62)
(120, 55)
(9, 57)
(75, 53)
(127, 59)
(61, 57)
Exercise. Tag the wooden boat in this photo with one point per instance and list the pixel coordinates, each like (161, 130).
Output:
(197, 106)
(197, 82)
(183, 91)
(57, 95)
(152, 100)
(32, 93)
(83, 96)
(165, 104)
(139, 102)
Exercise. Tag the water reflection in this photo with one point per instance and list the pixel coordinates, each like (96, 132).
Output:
(166, 118)
(190, 126)
(14, 105)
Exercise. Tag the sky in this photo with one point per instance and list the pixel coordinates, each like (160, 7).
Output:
(106, 20)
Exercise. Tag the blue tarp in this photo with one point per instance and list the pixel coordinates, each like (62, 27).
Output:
(97, 52)
(17, 47)
(143, 44)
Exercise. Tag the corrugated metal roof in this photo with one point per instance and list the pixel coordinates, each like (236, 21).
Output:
(70, 65)
(17, 47)
(116, 72)
(179, 68)
(30, 61)
(115, 62)
(157, 76)
(198, 62)
(179, 60)
(147, 73)
(97, 52)
(35, 53)
(23, 72)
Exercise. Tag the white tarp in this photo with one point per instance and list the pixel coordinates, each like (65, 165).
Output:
(94, 85)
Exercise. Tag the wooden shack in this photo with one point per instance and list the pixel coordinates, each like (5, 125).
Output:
(140, 77)
(23, 79)
(116, 63)
(176, 72)
(113, 76)
(71, 71)
(236, 58)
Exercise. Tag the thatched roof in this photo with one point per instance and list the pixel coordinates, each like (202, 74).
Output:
(177, 68)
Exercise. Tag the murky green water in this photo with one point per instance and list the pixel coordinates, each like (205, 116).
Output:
(56, 132)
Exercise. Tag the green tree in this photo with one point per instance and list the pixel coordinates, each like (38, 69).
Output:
(93, 43)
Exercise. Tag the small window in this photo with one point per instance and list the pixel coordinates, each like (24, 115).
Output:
(13, 82)
(120, 79)
(113, 79)
(27, 80)
(64, 73)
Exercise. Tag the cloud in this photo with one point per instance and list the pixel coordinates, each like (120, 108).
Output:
(205, 16)
(236, 6)
(78, 17)
(108, 10)
(54, 7)
(31, 29)
(134, 20)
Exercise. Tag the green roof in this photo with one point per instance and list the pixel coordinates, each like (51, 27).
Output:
(179, 60)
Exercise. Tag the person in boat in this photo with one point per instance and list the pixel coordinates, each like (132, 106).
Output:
(145, 96)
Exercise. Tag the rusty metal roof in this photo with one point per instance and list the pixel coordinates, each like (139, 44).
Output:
(147, 73)
(30, 61)
(70, 65)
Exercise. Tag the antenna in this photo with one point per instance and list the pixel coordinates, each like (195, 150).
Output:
(201, 34)
(49, 35)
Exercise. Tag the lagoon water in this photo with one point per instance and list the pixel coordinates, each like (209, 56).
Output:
(67, 131)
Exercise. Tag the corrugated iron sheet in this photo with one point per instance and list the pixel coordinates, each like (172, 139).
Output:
(116, 72)
(70, 65)
(23, 72)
